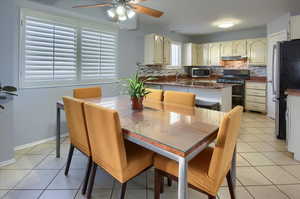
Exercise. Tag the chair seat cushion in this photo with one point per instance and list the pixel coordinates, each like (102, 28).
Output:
(197, 170)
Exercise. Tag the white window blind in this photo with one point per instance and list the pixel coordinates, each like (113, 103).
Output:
(98, 54)
(50, 52)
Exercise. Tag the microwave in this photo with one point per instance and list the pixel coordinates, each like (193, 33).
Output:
(200, 72)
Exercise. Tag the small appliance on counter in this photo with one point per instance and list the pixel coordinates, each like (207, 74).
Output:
(237, 78)
(200, 72)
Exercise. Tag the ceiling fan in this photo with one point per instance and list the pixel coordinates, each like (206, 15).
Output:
(122, 10)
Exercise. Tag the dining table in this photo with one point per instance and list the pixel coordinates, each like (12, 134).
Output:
(174, 131)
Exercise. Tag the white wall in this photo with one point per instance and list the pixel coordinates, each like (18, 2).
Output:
(279, 24)
(31, 116)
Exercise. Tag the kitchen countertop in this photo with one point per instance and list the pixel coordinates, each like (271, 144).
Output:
(257, 79)
(294, 92)
(206, 84)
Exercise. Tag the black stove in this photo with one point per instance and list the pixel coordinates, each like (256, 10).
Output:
(237, 78)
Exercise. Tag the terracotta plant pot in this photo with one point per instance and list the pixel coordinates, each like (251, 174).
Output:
(137, 103)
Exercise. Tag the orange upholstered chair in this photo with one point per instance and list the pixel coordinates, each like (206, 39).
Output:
(207, 170)
(90, 92)
(78, 134)
(123, 160)
(180, 98)
(154, 95)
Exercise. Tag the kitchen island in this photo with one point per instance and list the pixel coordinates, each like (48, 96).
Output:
(206, 90)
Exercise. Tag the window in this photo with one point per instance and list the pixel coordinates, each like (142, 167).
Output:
(175, 54)
(58, 51)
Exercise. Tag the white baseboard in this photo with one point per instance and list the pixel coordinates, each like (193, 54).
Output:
(24, 146)
(7, 162)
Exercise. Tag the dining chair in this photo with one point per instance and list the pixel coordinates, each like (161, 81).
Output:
(154, 95)
(90, 92)
(207, 171)
(121, 159)
(180, 98)
(78, 134)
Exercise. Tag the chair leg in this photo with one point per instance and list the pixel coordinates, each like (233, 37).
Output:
(87, 175)
(157, 184)
(70, 155)
(211, 197)
(169, 182)
(123, 190)
(230, 185)
(92, 180)
(162, 184)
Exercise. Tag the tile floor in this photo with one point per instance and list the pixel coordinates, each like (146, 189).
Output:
(265, 171)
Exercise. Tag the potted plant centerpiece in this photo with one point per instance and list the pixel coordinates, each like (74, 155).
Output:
(137, 91)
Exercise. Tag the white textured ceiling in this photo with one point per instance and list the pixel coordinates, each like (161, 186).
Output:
(198, 16)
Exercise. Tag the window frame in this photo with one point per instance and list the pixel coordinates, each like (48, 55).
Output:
(172, 66)
(78, 24)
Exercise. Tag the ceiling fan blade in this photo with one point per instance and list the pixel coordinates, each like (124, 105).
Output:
(147, 11)
(94, 5)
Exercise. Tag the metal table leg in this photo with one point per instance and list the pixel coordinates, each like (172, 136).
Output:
(57, 131)
(182, 179)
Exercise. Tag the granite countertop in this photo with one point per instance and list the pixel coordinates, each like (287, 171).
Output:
(208, 84)
(294, 92)
(257, 79)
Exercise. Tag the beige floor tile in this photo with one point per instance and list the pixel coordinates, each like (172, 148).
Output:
(266, 192)
(23, 194)
(241, 193)
(281, 158)
(9, 178)
(244, 147)
(139, 182)
(79, 162)
(249, 138)
(25, 162)
(293, 169)
(51, 162)
(254, 130)
(58, 194)
(37, 179)
(96, 194)
(72, 181)
(250, 176)
(293, 191)
(262, 146)
(241, 162)
(257, 159)
(170, 194)
(42, 149)
(103, 180)
(3, 192)
(277, 175)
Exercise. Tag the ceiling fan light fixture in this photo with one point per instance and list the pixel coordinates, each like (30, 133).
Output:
(121, 10)
(111, 12)
(226, 25)
(130, 13)
(122, 17)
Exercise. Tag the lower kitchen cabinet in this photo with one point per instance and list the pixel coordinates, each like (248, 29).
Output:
(293, 125)
(255, 99)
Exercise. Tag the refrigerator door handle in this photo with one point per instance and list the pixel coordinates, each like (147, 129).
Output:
(273, 69)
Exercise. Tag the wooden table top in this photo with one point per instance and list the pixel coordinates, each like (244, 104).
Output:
(177, 129)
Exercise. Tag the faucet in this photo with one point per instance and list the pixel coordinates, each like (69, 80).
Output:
(177, 76)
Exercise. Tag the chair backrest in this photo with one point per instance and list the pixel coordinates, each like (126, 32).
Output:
(225, 144)
(90, 92)
(106, 138)
(77, 124)
(154, 95)
(180, 98)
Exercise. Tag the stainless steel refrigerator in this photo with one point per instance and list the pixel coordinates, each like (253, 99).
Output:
(286, 75)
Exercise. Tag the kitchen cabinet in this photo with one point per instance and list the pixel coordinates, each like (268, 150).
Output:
(192, 54)
(214, 54)
(295, 27)
(226, 49)
(255, 99)
(293, 125)
(257, 51)
(157, 50)
(239, 48)
(205, 54)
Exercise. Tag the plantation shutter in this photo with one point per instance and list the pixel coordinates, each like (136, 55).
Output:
(98, 55)
(50, 52)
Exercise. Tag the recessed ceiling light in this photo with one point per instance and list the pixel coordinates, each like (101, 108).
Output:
(226, 25)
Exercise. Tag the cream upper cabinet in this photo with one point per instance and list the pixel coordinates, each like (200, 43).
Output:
(239, 48)
(257, 51)
(226, 49)
(192, 56)
(295, 27)
(205, 55)
(214, 54)
(157, 50)
(167, 51)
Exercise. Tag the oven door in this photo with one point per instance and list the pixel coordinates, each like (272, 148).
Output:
(199, 72)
